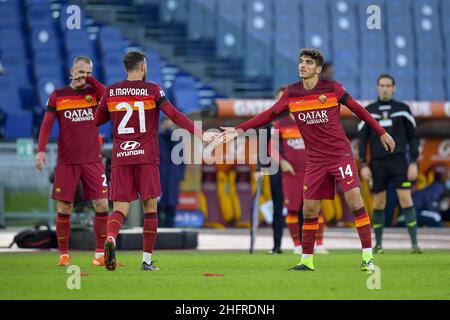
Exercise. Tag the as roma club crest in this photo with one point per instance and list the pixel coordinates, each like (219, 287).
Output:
(323, 99)
(88, 98)
(305, 189)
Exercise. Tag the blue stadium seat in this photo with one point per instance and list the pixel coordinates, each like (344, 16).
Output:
(44, 39)
(114, 79)
(349, 80)
(288, 42)
(11, 39)
(47, 64)
(154, 67)
(173, 11)
(9, 95)
(113, 65)
(230, 32)
(316, 29)
(185, 93)
(39, 16)
(78, 40)
(431, 84)
(9, 16)
(46, 85)
(201, 22)
(405, 85)
(16, 65)
(110, 39)
(19, 125)
(38, 3)
(258, 52)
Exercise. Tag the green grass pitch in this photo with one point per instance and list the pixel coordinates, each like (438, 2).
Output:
(245, 276)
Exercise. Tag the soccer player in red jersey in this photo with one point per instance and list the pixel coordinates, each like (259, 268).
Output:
(293, 159)
(78, 155)
(133, 106)
(315, 104)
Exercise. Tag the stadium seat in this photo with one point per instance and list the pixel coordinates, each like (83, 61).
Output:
(110, 39)
(12, 39)
(44, 39)
(46, 85)
(185, 93)
(19, 125)
(258, 57)
(230, 32)
(39, 16)
(78, 40)
(431, 84)
(173, 11)
(201, 24)
(316, 32)
(54, 134)
(16, 66)
(288, 42)
(9, 16)
(9, 95)
(113, 65)
(154, 67)
(47, 64)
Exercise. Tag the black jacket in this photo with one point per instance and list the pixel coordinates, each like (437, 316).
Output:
(396, 118)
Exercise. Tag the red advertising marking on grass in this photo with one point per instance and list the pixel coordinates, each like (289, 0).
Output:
(213, 275)
(83, 274)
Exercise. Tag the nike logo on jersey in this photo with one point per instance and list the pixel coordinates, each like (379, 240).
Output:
(349, 182)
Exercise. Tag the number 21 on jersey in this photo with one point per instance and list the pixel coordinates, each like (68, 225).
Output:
(122, 128)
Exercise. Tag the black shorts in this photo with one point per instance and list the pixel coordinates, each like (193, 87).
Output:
(393, 168)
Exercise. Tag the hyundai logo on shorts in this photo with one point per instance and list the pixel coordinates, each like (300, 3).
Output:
(129, 145)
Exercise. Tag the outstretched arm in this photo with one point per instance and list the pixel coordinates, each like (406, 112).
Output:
(281, 106)
(180, 119)
(364, 115)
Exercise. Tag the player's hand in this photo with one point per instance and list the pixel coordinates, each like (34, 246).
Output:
(211, 138)
(366, 173)
(413, 171)
(228, 134)
(286, 167)
(388, 142)
(41, 160)
(78, 77)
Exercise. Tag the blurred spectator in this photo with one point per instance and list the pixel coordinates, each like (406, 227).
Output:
(328, 71)
(171, 176)
(433, 202)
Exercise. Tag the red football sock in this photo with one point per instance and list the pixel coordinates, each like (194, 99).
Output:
(294, 228)
(115, 221)
(319, 236)
(310, 227)
(362, 222)
(100, 223)
(63, 232)
(149, 232)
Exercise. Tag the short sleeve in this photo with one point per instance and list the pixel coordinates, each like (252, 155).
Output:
(51, 102)
(160, 96)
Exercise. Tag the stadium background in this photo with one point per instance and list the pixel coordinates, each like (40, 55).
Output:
(219, 61)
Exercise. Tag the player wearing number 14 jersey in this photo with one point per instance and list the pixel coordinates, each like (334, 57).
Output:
(315, 104)
(133, 106)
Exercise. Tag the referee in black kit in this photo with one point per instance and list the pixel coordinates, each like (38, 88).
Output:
(400, 166)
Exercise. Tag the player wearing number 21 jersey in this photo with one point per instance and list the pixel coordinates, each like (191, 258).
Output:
(133, 106)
